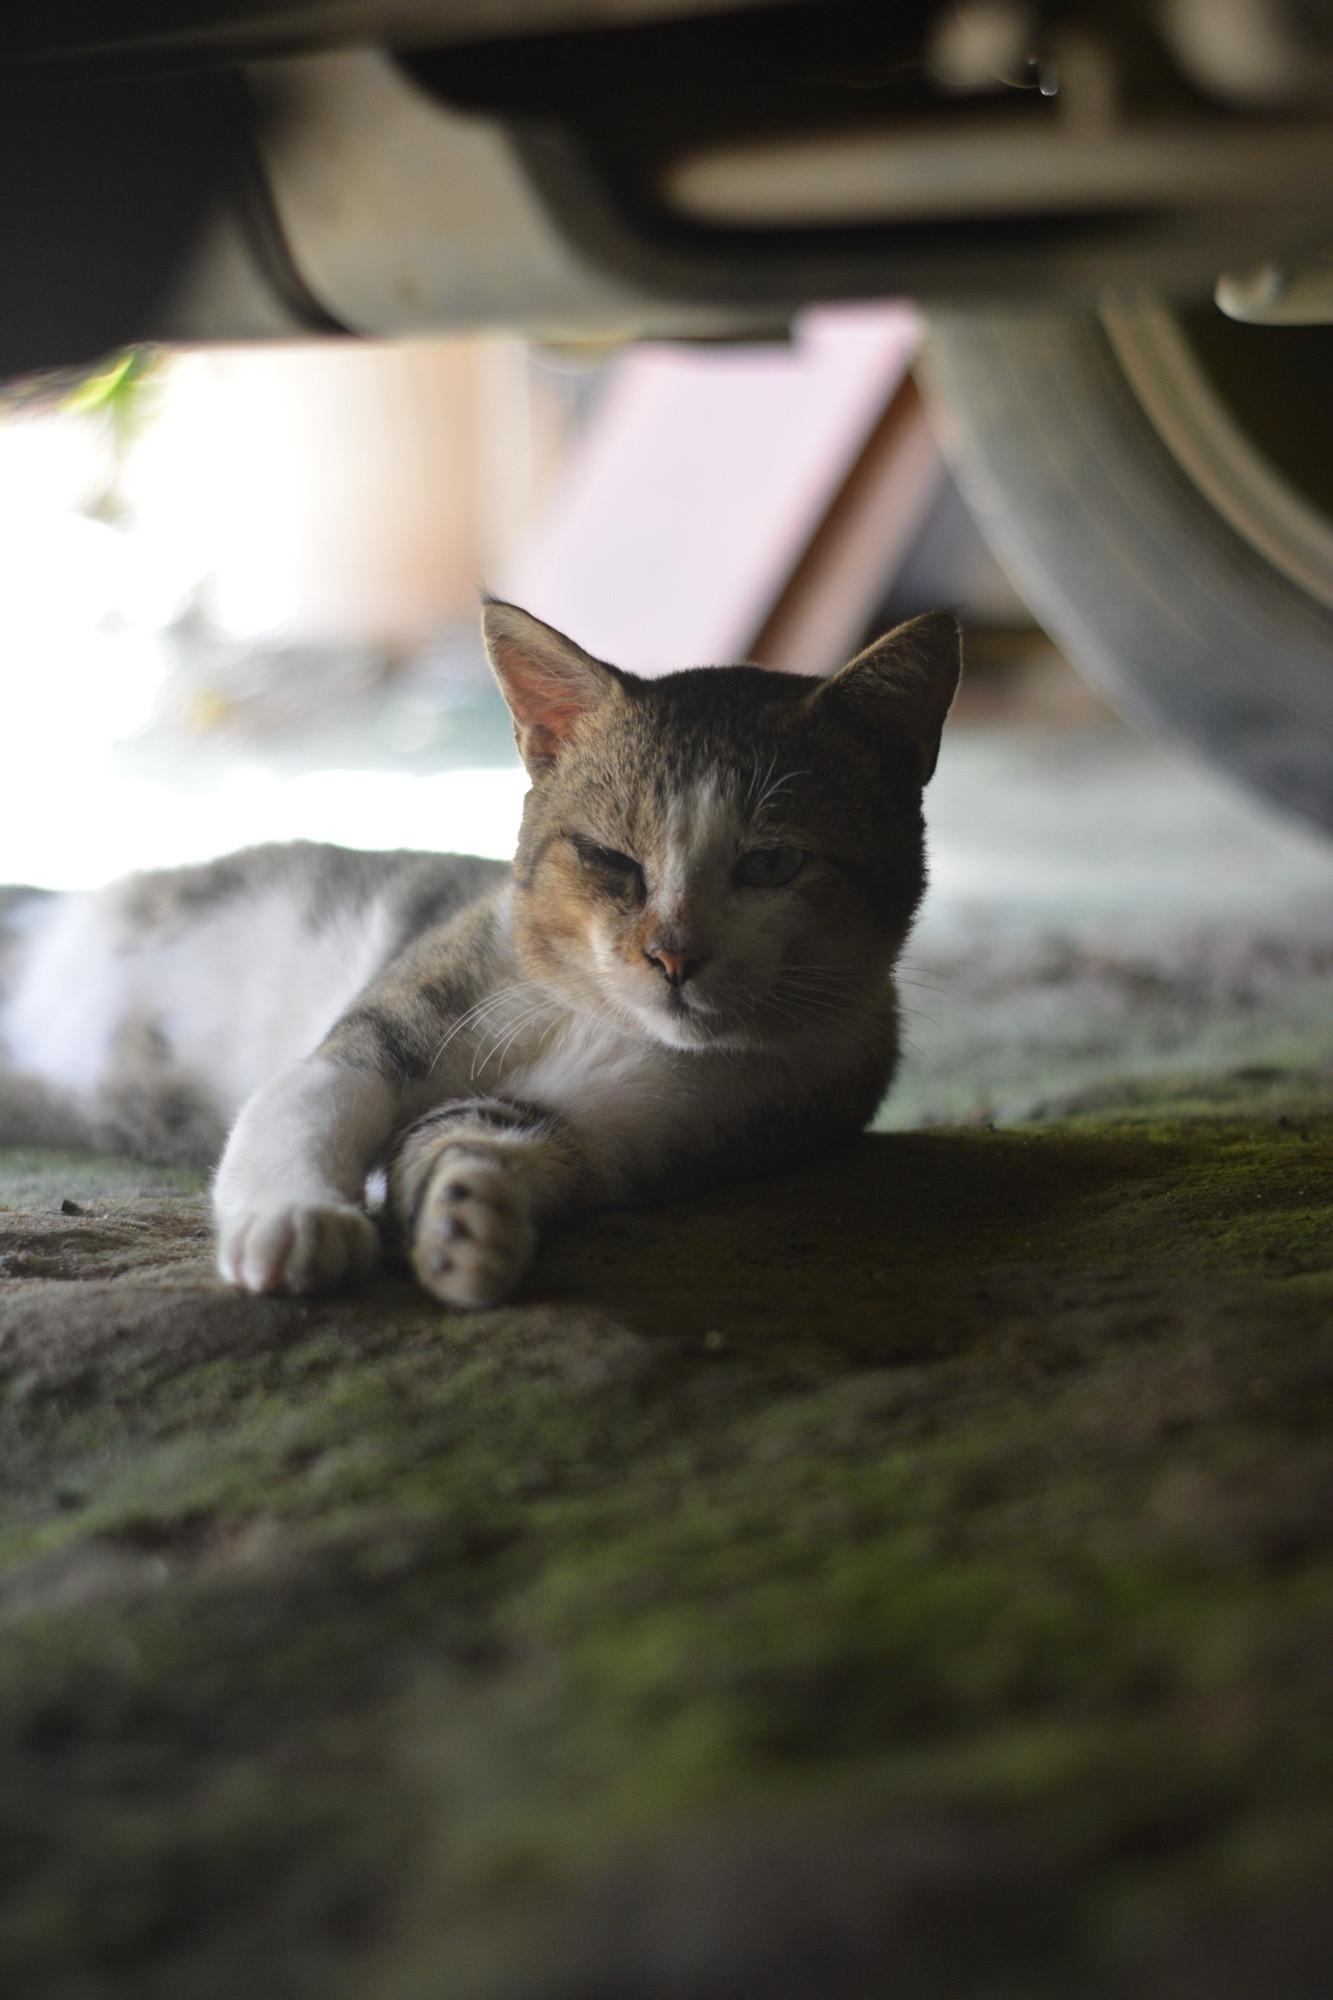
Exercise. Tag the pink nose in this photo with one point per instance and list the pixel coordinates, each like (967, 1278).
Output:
(675, 966)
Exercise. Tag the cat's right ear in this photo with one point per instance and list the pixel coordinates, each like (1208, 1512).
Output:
(549, 683)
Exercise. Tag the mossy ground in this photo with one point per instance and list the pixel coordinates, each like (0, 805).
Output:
(914, 1575)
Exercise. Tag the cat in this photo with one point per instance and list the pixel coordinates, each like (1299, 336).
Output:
(686, 976)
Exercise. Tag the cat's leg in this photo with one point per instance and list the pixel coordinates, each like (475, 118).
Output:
(288, 1192)
(468, 1185)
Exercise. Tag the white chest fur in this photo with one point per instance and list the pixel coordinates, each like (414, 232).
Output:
(641, 1100)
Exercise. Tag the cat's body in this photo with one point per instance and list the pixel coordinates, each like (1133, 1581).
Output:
(139, 1018)
(687, 977)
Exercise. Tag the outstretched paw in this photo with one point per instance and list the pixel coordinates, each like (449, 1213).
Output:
(473, 1239)
(296, 1248)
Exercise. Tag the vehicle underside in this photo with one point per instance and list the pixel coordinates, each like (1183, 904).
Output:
(210, 173)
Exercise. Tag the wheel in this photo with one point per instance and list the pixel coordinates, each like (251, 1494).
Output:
(1158, 484)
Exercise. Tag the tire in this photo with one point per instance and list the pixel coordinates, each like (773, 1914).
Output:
(1127, 483)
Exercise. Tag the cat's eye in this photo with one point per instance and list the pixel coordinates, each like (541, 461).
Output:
(768, 867)
(610, 861)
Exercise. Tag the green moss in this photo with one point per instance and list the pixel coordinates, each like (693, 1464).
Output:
(33, 1177)
(965, 1498)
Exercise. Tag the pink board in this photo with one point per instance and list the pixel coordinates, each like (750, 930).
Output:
(700, 480)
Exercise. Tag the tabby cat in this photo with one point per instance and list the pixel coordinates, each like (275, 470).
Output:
(687, 975)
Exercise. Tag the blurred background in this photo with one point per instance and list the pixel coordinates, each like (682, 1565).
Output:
(238, 602)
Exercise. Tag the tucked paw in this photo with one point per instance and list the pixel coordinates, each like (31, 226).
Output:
(297, 1248)
(473, 1240)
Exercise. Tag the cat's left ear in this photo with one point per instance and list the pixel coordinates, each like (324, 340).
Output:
(901, 686)
(549, 683)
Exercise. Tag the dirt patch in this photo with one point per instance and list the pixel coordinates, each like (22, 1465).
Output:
(922, 1561)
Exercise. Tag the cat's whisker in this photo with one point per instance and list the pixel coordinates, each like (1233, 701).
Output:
(830, 998)
(756, 782)
(501, 1047)
(477, 1013)
(926, 985)
(853, 1027)
(815, 1011)
(824, 974)
(917, 1050)
(806, 1011)
(835, 995)
(831, 986)
(517, 992)
(521, 1028)
(772, 790)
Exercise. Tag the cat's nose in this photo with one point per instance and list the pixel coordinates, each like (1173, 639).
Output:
(675, 966)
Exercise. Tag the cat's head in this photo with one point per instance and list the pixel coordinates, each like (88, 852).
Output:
(725, 857)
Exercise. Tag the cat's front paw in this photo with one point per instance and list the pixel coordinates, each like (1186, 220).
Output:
(473, 1238)
(296, 1248)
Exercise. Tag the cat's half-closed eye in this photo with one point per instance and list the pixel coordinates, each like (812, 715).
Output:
(901, 687)
(621, 871)
(768, 867)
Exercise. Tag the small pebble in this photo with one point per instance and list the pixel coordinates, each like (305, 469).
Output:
(68, 1207)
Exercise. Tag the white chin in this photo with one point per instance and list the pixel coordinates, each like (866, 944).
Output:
(699, 1032)
(679, 1030)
